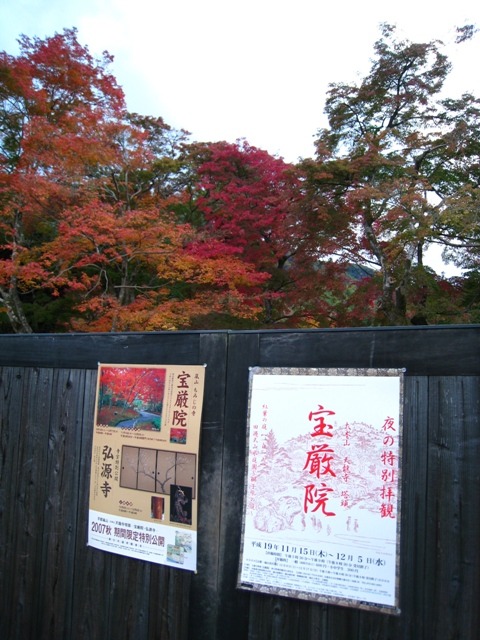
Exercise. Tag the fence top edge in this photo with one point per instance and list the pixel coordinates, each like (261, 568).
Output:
(381, 329)
(446, 350)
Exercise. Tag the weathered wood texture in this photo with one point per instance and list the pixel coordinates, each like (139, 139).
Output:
(53, 586)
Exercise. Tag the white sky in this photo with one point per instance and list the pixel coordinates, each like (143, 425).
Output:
(257, 69)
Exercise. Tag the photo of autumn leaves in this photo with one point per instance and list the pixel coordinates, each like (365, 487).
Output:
(131, 397)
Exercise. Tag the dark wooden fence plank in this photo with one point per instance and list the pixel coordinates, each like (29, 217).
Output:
(85, 351)
(339, 622)
(60, 509)
(11, 394)
(414, 506)
(452, 507)
(169, 603)
(233, 614)
(283, 619)
(469, 504)
(92, 569)
(416, 348)
(128, 598)
(112, 595)
(27, 516)
(205, 597)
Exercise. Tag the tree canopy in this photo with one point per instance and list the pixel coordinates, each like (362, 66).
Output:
(113, 221)
(404, 160)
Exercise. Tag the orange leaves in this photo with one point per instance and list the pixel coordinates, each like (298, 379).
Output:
(57, 105)
(25, 271)
(210, 267)
(67, 74)
(140, 269)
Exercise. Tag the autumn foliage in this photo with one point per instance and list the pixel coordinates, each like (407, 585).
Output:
(113, 221)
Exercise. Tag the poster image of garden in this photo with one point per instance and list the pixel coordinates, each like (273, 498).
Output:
(321, 514)
(144, 467)
(131, 397)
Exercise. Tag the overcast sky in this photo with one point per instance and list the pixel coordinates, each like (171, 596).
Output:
(256, 69)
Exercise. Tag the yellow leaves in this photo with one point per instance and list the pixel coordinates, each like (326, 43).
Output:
(220, 271)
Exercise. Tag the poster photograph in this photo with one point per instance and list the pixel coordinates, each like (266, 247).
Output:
(144, 466)
(321, 517)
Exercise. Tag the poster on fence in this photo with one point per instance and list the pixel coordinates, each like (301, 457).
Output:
(321, 514)
(144, 466)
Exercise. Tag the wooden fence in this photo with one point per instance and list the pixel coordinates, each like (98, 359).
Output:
(52, 586)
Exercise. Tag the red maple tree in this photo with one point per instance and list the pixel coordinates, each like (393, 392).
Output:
(87, 193)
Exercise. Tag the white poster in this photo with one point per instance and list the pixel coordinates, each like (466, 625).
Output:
(322, 493)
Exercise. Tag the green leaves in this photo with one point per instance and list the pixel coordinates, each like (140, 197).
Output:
(400, 158)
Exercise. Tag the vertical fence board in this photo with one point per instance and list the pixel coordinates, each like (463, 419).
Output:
(452, 529)
(169, 603)
(11, 394)
(414, 507)
(469, 503)
(205, 597)
(30, 494)
(60, 506)
(233, 614)
(92, 569)
(339, 622)
(283, 619)
(128, 598)
(91, 595)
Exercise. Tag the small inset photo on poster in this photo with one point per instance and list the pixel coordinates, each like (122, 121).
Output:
(181, 504)
(131, 398)
(157, 508)
(184, 541)
(178, 436)
(175, 554)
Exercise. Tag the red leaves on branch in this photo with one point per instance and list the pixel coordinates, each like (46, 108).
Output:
(137, 270)
(126, 384)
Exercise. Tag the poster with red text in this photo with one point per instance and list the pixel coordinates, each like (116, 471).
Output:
(321, 515)
(144, 467)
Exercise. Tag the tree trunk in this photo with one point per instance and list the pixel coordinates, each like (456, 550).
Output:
(14, 309)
